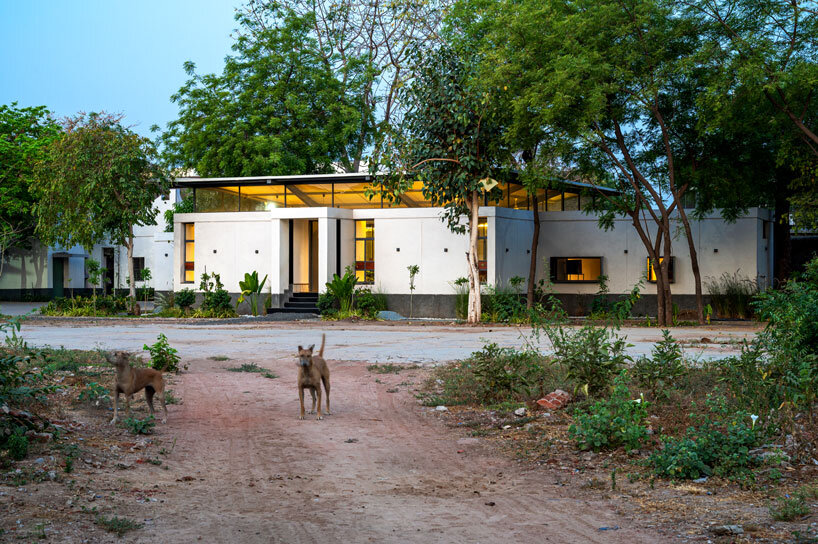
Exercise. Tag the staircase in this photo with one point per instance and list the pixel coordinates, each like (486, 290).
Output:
(298, 303)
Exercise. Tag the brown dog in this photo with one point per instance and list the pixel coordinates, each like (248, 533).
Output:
(131, 380)
(312, 372)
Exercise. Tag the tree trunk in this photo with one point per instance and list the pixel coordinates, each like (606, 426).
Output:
(665, 276)
(131, 279)
(535, 241)
(781, 241)
(474, 274)
(694, 263)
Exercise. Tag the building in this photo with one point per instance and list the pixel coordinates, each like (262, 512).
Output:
(301, 230)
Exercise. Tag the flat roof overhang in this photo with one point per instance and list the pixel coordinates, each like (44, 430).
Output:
(355, 177)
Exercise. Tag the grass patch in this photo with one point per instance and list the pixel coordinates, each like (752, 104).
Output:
(389, 368)
(117, 525)
(72, 360)
(170, 398)
(219, 358)
(255, 369)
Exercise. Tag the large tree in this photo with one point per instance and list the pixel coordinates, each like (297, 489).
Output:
(24, 132)
(604, 73)
(95, 182)
(451, 141)
(366, 46)
(277, 108)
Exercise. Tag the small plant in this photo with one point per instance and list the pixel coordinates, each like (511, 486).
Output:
(461, 298)
(140, 426)
(216, 300)
(17, 444)
(613, 422)
(185, 299)
(732, 295)
(369, 303)
(708, 313)
(219, 358)
(70, 452)
(789, 508)
(170, 398)
(254, 368)
(327, 304)
(94, 272)
(93, 392)
(413, 271)
(658, 372)
(145, 277)
(117, 525)
(251, 288)
(385, 368)
(163, 357)
(343, 289)
(592, 356)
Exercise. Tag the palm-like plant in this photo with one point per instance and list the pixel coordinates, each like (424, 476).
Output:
(251, 287)
(342, 288)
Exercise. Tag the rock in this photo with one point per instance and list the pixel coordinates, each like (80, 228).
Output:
(556, 400)
(706, 340)
(700, 480)
(39, 461)
(519, 412)
(390, 316)
(727, 530)
(441, 409)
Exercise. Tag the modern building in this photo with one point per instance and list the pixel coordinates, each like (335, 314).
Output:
(301, 230)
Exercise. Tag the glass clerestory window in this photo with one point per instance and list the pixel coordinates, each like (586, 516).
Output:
(365, 251)
(189, 275)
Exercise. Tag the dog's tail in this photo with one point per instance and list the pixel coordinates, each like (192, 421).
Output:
(321, 351)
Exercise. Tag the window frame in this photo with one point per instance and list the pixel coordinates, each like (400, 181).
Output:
(671, 271)
(553, 268)
(483, 266)
(364, 261)
(186, 264)
(137, 270)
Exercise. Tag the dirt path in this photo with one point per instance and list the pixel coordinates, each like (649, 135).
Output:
(380, 469)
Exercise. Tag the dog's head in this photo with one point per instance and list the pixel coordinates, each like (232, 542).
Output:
(305, 356)
(120, 359)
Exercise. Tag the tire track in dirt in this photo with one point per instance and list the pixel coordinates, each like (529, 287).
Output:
(261, 475)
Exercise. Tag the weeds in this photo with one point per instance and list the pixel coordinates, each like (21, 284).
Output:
(163, 357)
(659, 372)
(93, 393)
(732, 294)
(140, 426)
(592, 356)
(386, 368)
(789, 508)
(253, 368)
(117, 525)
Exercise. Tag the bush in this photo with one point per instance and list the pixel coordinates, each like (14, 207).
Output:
(461, 297)
(343, 288)
(369, 303)
(327, 304)
(789, 508)
(505, 304)
(613, 422)
(216, 301)
(93, 392)
(16, 443)
(657, 373)
(592, 356)
(85, 306)
(732, 294)
(185, 299)
(719, 445)
(163, 357)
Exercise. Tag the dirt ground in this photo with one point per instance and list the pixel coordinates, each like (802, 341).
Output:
(234, 463)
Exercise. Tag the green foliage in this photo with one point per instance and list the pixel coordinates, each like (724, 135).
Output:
(343, 288)
(732, 295)
(93, 392)
(94, 272)
(251, 287)
(216, 300)
(612, 422)
(164, 301)
(593, 356)
(163, 356)
(719, 444)
(461, 297)
(96, 181)
(789, 508)
(369, 303)
(659, 372)
(107, 305)
(118, 525)
(413, 271)
(327, 303)
(140, 426)
(253, 368)
(505, 304)
(186, 205)
(185, 299)
(16, 443)
(24, 135)
(277, 108)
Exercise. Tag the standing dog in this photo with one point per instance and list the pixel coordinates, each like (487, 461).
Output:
(131, 380)
(312, 372)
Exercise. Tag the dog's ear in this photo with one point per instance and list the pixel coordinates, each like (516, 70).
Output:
(300, 348)
(311, 347)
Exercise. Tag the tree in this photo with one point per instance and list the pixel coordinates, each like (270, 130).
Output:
(96, 181)
(604, 74)
(276, 109)
(24, 132)
(366, 46)
(450, 141)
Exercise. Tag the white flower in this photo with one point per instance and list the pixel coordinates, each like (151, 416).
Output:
(754, 418)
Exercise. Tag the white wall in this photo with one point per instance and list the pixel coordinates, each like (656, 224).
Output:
(25, 268)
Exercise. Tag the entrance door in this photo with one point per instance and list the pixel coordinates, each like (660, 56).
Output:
(313, 234)
(108, 264)
(57, 275)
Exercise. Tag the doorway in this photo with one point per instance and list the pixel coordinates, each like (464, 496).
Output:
(58, 276)
(313, 261)
(108, 264)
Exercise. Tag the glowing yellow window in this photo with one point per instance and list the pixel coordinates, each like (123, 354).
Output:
(190, 274)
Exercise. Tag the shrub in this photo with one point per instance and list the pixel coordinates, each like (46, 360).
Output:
(85, 306)
(789, 508)
(185, 299)
(16, 443)
(732, 294)
(613, 422)
(117, 525)
(163, 357)
(658, 372)
(369, 303)
(93, 392)
(505, 304)
(140, 426)
(216, 300)
(327, 304)
(505, 373)
(164, 301)
(461, 297)
(343, 288)
(719, 445)
(592, 356)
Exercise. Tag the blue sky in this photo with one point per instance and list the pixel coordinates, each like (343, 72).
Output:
(115, 55)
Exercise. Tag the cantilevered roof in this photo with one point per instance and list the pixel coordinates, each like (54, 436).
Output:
(355, 177)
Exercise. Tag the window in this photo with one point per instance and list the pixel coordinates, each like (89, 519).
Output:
(670, 270)
(189, 274)
(482, 248)
(365, 250)
(576, 269)
(138, 267)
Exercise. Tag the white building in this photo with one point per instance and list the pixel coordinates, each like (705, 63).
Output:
(300, 230)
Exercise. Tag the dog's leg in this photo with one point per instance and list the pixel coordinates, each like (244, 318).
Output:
(325, 379)
(318, 393)
(128, 405)
(116, 406)
(149, 398)
(301, 400)
(312, 392)
(161, 392)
